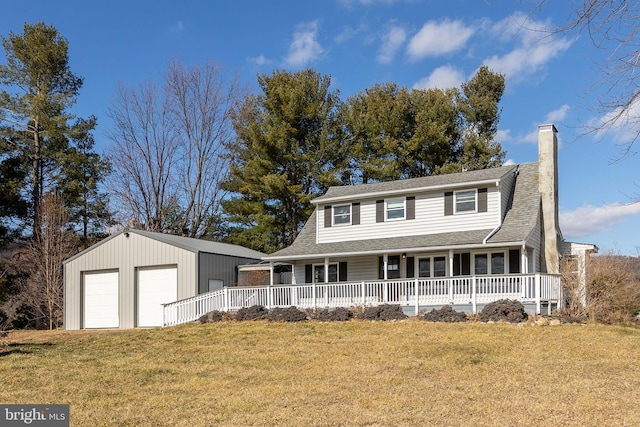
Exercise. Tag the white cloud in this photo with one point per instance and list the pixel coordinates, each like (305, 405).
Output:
(348, 33)
(305, 47)
(261, 60)
(438, 38)
(392, 40)
(589, 219)
(623, 126)
(558, 115)
(441, 78)
(535, 47)
(509, 162)
(531, 137)
(503, 135)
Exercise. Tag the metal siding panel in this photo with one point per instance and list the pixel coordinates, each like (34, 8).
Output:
(220, 267)
(126, 254)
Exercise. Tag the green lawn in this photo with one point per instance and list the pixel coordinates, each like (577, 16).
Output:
(353, 373)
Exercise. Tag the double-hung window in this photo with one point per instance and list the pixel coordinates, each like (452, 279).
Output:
(342, 215)
(465, 201)
(435, 266)
(332, 273)
(395, 209)
(492, 263)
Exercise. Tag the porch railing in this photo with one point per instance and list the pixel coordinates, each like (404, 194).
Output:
(470, 290)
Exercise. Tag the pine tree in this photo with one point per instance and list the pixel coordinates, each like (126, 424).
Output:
(287, 152)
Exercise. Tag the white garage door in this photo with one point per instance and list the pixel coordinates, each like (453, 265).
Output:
(101, 300)
(156, 286)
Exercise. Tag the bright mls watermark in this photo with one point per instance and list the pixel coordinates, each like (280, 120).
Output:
(34, 415)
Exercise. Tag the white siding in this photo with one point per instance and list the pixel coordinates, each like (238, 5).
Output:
(359, 268)
(429, 219)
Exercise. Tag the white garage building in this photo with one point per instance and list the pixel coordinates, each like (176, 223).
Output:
(122, 281)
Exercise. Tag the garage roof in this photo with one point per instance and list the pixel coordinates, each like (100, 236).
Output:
(186, 243)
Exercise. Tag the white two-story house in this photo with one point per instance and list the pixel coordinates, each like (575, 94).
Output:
(464, 239)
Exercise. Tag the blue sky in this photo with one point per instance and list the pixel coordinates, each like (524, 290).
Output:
(415, 43)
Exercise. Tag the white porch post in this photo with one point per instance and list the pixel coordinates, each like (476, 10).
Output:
(326, 270)
(385, 260)
(450, 276)
(417, 293)
(537, 296)
(524, 269)
(474, 302)
(270, 273)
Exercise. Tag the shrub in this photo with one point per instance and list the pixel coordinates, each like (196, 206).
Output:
(340, 314)
(290, 314)
(445, 314)
(503, 310)
(214, 316)
(613, 288)
(383, 312)
(255, 312)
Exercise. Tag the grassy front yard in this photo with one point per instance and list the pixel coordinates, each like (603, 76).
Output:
(326, 374)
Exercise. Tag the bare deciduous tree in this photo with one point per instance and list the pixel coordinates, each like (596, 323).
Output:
(168, 149)
(201, 101)
(614, 29)
(38, 264)
(143, 156)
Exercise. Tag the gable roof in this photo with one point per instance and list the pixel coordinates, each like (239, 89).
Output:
(186, 243)
(427, 183)
(517, 225)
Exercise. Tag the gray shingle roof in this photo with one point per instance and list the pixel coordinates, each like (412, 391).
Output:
(517, 225)
(521, 218)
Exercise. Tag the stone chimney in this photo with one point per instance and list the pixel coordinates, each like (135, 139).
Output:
(548, 186)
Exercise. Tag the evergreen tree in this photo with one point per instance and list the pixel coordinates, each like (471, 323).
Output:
(36, 126)
(287, 152)
(394, 133)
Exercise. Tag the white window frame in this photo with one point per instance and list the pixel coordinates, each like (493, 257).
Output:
(489, 256)
(321, 280)
(335, 215)
(466, 211)
(388, 209)
(432, 264)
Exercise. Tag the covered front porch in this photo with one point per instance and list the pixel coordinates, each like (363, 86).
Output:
(417, 294)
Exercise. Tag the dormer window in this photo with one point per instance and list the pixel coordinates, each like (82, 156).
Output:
(465, 201)
(342, 215)
(395, 209)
